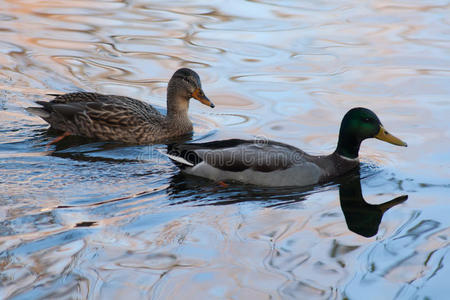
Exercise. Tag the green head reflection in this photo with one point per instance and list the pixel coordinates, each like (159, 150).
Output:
(361, 217)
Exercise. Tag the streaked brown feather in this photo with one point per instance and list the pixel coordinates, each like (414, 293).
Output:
(109, 117)
(121, 118)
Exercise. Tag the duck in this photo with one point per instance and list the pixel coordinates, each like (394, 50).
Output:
(275, 164)
(121, 118)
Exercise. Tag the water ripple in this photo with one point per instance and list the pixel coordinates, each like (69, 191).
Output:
(84, 219)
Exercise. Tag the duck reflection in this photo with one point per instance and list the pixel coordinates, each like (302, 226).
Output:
(361, 217)
(85, 149)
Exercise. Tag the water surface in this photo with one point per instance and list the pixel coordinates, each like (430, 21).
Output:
(94, 220)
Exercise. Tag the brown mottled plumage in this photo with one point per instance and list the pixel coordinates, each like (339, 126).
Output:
(124, 119)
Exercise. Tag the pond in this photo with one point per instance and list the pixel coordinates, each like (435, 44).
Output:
(100, 220)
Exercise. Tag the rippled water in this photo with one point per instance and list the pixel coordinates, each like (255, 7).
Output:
(94, 220)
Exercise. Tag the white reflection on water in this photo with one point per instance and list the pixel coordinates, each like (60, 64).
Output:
(101, 220)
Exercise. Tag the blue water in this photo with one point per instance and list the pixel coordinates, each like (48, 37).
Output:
(95, 220)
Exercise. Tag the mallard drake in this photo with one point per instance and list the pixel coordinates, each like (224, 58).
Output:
(270, 163)
(124, 119)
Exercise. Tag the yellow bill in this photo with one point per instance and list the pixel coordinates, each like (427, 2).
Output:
(200, 96)
(387, 137)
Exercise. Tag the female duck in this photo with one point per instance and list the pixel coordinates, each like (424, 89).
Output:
(124, 119)
(270, 163)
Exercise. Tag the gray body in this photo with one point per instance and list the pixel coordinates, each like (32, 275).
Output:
(267, 164)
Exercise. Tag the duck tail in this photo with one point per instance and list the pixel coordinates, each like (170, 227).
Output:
(43, 112)
(181, 156)
(179, 160)
(39, 111)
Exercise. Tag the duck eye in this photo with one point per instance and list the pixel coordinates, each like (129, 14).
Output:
(367, 120)
(188, 81)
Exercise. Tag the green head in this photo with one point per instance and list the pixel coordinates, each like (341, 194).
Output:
(357, 125)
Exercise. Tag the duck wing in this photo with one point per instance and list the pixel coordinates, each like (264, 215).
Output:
(135, 105)
(105, 117)
(265, 163)
(237, 155)
(107, 110)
